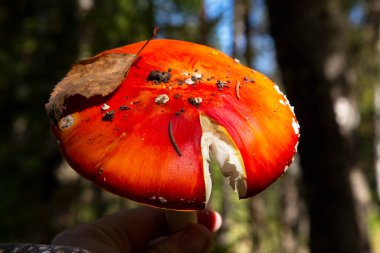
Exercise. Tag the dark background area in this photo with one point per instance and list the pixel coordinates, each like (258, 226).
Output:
(325, 55)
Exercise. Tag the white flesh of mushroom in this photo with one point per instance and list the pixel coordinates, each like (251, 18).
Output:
(217, 146)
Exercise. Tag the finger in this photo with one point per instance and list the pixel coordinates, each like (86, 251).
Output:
(89, 237)
(139, 225)
(126, 231)
(193, 239)
(210, 219)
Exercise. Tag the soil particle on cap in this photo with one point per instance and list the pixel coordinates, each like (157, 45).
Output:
(197, 76)
(161, 99)
(105, 107)
(246, 79)
(124, 108)
(220, 84)
(189, 81)
(163, 200)
(66, 122)
(159, 77)
(108, 116)
(195, 101)
(179, 112)
(177, 96)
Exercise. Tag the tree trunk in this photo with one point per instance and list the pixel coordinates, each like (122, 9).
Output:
(238, 26)
(308, 35)
(203, 24)
(257, 211)
(291, 216)
(242, 31)
(248, 54)
(374, 22)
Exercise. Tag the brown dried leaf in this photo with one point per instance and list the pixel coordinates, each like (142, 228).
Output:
(99, 75)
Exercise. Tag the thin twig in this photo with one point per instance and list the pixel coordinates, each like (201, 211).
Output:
(172, 140)
(154, 34)
(237, 89)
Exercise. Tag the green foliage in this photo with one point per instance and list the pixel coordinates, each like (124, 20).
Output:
(115, 23)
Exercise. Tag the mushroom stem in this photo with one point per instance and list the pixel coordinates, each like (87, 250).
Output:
(178, 220)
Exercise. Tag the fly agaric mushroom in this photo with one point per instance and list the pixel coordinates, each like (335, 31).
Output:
(146, 125)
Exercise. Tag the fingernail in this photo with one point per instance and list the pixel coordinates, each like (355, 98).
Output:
(195, 239)
(210, 219)
(218, 222)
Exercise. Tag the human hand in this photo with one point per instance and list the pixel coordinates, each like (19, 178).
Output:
(143, 229)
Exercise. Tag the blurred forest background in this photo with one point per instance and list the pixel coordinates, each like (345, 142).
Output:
(325, 54)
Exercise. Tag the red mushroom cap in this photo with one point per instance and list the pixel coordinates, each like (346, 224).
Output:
(180, 105)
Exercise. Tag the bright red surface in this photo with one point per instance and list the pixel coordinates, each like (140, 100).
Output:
(132, 155)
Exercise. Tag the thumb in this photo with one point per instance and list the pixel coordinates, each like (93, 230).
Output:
(194, 238)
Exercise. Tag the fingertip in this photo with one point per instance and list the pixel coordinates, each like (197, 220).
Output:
(212, 220)
(218, 221)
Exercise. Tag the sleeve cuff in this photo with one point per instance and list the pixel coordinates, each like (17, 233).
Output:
(38, 248)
